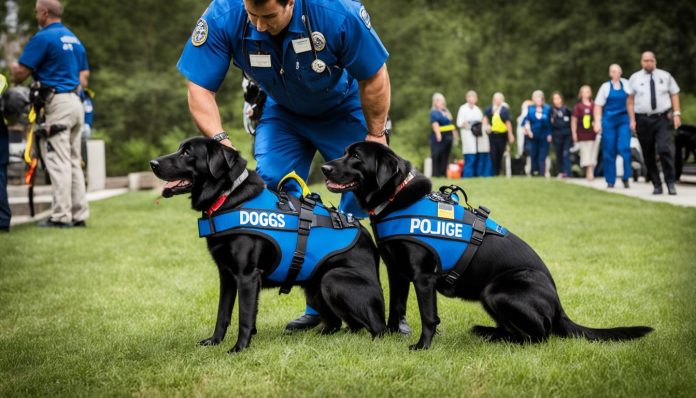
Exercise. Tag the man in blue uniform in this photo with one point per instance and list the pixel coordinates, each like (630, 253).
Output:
(322, 66)
(55, 57)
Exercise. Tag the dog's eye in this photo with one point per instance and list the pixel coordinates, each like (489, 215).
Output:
(355, 156)
(185, 152)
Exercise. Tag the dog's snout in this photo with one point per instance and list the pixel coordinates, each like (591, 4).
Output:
(154, 165)
(327, 169)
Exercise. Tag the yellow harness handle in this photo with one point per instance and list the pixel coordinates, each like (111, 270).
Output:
(293, 176)
(30, 136)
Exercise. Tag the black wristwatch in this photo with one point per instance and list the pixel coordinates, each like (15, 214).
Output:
(381, 133)
(220, 137)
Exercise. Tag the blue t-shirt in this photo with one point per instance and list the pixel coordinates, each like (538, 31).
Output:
(541, 127)
(56, 57)
(440, 118)
(504, 113)
(352, 50)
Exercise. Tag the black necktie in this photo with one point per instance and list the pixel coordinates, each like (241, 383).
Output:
(653, 99)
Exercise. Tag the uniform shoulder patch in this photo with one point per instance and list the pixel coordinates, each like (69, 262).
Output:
(365, 17)
(200, 33)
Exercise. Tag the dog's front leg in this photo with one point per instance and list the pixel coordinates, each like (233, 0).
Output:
(427, 304)
(228, 292)
(248, 287)
(398, 295)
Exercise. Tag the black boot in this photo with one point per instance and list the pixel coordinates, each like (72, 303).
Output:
(303, 323)
(657, 190)
(404, 328)
(671, 189)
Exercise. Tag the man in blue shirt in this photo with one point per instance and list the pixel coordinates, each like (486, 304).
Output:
(55, 57)
(322, 66)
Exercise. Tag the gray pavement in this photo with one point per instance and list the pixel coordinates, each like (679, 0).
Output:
(686, 191)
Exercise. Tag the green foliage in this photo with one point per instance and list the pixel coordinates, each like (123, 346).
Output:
(116, 309)
(435, 45)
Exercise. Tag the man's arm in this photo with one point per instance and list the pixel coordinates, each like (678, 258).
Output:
(20, 73)
(676, 108)
(630, 108)
(598, 118)
(84, 78)
(205, 111)
(375, 97)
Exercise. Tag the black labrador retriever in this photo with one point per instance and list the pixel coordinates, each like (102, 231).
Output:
(345, 288)
(505, 275)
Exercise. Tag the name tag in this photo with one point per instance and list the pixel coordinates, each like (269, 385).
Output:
(301, 45)
(260, 60)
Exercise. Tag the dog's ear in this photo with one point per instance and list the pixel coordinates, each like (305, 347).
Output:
(386, 169)
(220, 159)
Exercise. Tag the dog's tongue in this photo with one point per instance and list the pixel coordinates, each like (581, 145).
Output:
(166, 190)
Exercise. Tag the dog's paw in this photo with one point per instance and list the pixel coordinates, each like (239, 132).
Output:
(237, 348)
(210, 341)
(418, 346)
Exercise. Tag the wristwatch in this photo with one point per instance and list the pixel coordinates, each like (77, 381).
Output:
(676, 113)
(220, 137)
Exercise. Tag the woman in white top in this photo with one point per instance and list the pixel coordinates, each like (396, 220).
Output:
(475, 145)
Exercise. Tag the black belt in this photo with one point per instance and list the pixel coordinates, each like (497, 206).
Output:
(654, 115)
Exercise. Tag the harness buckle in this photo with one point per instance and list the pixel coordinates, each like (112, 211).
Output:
(452, 277)
(484, 211)
(478, 231)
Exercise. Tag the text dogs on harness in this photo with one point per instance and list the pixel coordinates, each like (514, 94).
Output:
(262, 219)
(436, 227)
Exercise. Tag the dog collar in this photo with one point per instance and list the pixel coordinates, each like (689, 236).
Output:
(222, 198)
(411, 175)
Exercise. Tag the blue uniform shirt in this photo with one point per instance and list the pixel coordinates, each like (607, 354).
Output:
(541, 128)
(56, 57)
(352, 51)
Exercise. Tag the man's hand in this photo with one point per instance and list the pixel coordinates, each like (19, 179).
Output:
(677, 122)
(548, 138)
(632, 123)
(598, 126)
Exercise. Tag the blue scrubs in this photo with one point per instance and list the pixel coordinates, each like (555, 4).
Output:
(56, 57)
(306, 110)
(616, 134)
(539, 145)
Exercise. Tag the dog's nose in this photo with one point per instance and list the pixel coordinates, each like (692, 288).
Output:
(326, 169)
(154, 165)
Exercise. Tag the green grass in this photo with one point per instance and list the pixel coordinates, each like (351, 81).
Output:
(117, 309)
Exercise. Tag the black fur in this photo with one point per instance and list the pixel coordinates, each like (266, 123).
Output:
(506, 275)
(346, 288)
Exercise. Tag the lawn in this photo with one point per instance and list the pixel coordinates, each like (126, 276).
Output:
(117, 309)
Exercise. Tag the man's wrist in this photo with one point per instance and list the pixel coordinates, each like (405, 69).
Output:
(221, 136)
(677, 113)
(380, 134)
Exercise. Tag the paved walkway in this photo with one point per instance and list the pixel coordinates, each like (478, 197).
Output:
(686, 192)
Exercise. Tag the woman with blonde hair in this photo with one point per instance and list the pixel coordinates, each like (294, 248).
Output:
(443, 133)
(497, 117)
(583, 132)
(538, 128)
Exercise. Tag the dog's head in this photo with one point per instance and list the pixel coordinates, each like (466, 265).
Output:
(200, 166)
(369, 169)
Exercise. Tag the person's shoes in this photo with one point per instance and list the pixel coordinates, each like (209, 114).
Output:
(404, 327)
(80, 224)
(657, 190)
(610, 185)
(48, 223)
(671, 189)
(626, 184)
(303, 323)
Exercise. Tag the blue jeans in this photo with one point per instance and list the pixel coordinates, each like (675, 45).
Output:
(477, 165)
(616, 140)
(539, 149)
(562, 144)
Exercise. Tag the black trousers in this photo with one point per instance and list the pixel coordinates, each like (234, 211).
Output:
(498, 143)
(440, 152)
(655, 135)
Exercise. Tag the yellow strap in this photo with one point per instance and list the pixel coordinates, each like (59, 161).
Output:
(449, 127)
(293, 176)
(3, 83)
(498, 126)
(30, 136)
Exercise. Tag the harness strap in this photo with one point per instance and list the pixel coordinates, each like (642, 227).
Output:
(477, 235)
(304, 226)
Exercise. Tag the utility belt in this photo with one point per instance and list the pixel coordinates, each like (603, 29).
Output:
(654, 115)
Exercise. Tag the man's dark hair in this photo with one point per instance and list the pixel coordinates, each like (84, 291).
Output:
(258, 3)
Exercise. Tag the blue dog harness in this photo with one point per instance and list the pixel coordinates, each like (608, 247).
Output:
(452, 232)
(303, 239)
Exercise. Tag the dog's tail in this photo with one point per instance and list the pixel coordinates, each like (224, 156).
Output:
(568, 328)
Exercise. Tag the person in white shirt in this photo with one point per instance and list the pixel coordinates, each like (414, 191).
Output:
(475, 144)
(653, 108)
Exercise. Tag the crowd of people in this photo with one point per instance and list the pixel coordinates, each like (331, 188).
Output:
(645, 106)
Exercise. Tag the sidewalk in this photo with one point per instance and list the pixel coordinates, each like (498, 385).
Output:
(686, 192)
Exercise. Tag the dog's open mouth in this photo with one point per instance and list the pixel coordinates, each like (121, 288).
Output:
(336, 187)
(176, 187)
